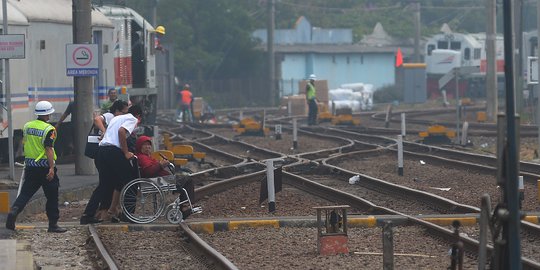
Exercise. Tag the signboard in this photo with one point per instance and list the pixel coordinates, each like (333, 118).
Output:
(82, 60)
(12, 47)
(532, 70)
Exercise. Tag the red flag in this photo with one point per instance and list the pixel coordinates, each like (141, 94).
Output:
(399, 58)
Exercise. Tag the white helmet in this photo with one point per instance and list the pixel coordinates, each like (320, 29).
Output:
(43, 108)
(312, 77)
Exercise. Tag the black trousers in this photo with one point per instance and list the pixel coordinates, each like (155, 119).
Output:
(34, 178)
(313, 110)
(186, 183)
(101, 196)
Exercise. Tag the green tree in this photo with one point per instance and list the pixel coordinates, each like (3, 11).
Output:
(211, 38)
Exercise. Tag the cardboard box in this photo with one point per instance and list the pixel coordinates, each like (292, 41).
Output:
(321, 88)
(298, 105)
(198, 105)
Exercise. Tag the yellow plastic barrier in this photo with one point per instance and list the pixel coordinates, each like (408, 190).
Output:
(4, 202)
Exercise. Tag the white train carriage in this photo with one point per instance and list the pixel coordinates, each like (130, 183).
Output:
(134, 57)
(449, 50)
(47, 27)
(441, 50)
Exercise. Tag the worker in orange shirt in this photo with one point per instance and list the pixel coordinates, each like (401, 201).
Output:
(186, 100)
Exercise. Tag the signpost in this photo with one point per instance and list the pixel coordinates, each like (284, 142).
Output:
(11, 47)
(82, 60)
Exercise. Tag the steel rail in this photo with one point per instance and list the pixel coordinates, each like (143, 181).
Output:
(470, 244)
(217, 259)
(102, 249)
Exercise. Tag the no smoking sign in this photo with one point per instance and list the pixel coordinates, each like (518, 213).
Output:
(82, 60)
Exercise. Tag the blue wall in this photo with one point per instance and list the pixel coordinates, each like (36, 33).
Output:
(372, 68)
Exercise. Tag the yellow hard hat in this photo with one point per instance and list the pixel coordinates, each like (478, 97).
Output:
(160, 29)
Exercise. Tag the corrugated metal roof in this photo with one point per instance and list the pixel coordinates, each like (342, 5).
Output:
(15, 17)
(326, 48)
(56, 11)
(119, 11)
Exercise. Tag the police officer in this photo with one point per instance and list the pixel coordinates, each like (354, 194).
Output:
(40, 170)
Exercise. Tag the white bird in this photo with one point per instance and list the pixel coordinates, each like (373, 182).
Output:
(422, 162)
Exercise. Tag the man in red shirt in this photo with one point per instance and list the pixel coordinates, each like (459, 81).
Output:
(186, 100)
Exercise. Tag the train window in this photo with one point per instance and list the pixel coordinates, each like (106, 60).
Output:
(477, 53)
(442, 45)
(430, 48)
(467, 54)
(42, 44)
(455, 45)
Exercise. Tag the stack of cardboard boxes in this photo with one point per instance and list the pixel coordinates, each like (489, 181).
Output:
(298, 103)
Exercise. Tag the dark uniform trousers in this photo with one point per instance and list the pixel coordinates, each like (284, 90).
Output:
(312, 113)
(34, 178)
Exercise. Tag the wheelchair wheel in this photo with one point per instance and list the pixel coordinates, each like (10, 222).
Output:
(174, 215)
(142, 201)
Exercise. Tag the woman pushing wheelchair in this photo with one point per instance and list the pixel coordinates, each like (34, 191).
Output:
(150, 167)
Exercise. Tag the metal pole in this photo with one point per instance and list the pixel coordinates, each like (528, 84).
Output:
(388, 246)
(82, 114)
(295, 133)
(458, 104)
(403, 126)
(485, 212)
(7, 90)
(400, 155)
(270, 47)
(538, 68)
(417, 32)
(518, 53)
(270, 185)
(491, 62)
(511, 228)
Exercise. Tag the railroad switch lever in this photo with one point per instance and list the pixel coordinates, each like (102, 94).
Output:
(457, 249)
(332, 236)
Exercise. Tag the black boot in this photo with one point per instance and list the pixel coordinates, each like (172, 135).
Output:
(11, 218)
(55, 228)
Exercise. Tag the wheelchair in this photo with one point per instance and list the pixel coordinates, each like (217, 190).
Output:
(143, 199)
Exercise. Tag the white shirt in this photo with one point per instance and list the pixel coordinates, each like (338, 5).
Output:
(107, 116)
(127, 121)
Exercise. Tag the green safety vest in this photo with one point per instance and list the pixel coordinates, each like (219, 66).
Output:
(35, 133)
(311, 91)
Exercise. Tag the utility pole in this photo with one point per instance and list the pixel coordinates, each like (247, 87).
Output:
(518, 41)
(492, 96)
(7, 87)
(512, 249)
(82, 114)
(270, 49)
(417, 32)
(154, 12)
(538, 85)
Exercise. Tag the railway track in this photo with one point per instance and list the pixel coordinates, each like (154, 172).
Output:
(129, 250)
(323, 176)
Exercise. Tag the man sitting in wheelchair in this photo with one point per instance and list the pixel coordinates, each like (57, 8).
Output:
(150, 167)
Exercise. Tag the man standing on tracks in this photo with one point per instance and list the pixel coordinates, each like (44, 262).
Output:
(113, 96)
(40, 170)
(186, 103)
(311, 98)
